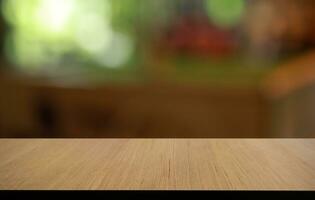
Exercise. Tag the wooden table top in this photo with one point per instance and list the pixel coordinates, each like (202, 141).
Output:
(220, 164)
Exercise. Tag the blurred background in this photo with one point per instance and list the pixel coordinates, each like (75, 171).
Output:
(157, 68)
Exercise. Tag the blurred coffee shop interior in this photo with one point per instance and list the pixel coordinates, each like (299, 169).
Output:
(157, 68)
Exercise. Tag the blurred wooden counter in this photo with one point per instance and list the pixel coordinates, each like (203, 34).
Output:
(279, 105)
(157, 164)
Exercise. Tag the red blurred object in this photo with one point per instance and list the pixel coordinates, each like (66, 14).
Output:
(198, 38)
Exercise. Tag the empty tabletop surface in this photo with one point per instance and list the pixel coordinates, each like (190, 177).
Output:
(155, 164)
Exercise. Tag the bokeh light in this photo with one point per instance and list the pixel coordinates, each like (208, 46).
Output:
(45, 32)
(225, 13)
(54, 15)
(118, 53)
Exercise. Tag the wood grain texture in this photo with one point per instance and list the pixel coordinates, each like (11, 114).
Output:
(175, 164)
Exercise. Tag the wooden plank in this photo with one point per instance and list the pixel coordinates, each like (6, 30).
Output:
(223, 164)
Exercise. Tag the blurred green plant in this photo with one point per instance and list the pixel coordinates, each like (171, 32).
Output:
(102, 33)
(225, 13)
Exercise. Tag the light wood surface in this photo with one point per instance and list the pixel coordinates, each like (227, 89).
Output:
(221, 164)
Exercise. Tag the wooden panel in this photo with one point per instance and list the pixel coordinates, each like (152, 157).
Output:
(17, 110)
(131, 111)
(163, 112)
(293, 116)
(158, 164)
